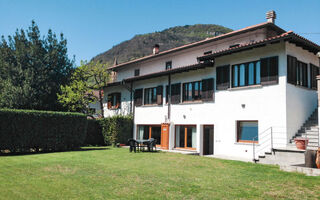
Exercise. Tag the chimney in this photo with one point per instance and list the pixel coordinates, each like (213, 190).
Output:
(271, 16)
(155, 49)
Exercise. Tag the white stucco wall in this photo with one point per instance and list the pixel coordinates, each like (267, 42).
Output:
(301, 101)
(125, 101)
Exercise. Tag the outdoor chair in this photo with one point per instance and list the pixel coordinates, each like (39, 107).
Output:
(133, 145)
(152, 144)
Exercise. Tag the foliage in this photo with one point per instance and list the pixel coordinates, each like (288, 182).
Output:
(86, 79)
(94, 133)
(117, 129)
(32, 68)
(141, 45)
(114, 173)
(22, 130)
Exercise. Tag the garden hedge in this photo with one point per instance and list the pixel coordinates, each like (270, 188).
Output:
(94, 133)
(22, 130)
(116, 129)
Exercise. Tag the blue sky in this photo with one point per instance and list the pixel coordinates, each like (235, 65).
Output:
(94, 26)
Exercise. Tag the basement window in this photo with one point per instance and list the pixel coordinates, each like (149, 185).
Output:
(247, 131)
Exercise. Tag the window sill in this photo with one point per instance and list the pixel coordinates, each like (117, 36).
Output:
(245, 87)
(191, 102)
(151, 105)
(247, 143)
(303, 87)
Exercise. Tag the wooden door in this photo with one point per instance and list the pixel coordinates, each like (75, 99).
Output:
(165, 136)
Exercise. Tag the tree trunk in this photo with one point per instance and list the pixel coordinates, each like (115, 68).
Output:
(101, 103)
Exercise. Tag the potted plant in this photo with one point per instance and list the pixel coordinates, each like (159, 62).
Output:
(301, 143)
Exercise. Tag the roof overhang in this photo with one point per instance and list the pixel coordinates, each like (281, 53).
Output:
(171, 71)
(288, 36)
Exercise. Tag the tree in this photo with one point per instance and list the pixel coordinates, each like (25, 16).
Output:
(32, 68)
(88, 77)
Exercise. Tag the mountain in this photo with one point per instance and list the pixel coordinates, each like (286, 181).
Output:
(141, 45)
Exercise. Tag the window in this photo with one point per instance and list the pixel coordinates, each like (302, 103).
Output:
(269, 70)
(223, 77)
(153, 95)
(297, 73)
(192, 91)
(291, 70)
(207, 90)
(302, 74)
(146, 132)
(247, 131)
(136, 72)
(138, 97)
(168, 65)
(314, 72)
(114, 100)
(175, 93)
(185, 136)
(242, 75)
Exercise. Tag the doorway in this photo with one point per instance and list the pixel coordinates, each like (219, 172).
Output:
(145, 132)
(208, 138)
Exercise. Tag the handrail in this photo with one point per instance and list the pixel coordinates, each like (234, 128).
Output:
(262, 135)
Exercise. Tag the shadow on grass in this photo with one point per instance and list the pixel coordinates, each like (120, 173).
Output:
(48, 152)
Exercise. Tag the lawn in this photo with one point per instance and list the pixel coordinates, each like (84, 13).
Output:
(114, 173)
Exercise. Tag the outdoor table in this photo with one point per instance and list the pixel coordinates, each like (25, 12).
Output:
(142, 142)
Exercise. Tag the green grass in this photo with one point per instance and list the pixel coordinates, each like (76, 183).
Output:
(114, 173)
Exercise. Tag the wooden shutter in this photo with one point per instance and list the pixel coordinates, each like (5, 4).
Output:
(175, 93)
(207, 90)
(159, 94)
(118, 100)
(269, 70)
(273, 70)
(138, 97)
(223, 77)
(109, 101)
(292, 70)
(314, 72)
(264, 70)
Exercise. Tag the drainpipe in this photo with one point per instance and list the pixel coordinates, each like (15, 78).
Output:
(318, 90)
(169, 97)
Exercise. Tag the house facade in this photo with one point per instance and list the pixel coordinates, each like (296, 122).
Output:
(236, 94)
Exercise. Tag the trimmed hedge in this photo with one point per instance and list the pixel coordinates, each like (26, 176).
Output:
(117, 129)
(22, 130)
(94, 133)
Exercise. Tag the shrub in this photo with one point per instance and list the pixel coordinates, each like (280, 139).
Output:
(22, 130)
(117, 129)
(94, 133)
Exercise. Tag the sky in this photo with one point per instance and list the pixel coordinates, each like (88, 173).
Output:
(92, 27)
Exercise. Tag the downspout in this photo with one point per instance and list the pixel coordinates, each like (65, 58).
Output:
(169, 97)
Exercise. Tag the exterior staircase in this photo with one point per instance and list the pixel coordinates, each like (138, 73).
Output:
(291, 155)
(310, 130)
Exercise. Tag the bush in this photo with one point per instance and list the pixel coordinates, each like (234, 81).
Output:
(22, 130)
(117, 129)
(94, 133)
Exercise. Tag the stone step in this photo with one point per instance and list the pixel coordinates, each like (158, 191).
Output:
(309, 128)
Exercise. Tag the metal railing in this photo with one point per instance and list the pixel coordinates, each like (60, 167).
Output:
(266, 138)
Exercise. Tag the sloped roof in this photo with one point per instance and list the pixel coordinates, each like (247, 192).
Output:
(194, 44)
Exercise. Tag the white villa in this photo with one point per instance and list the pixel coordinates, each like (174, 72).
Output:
(236, 94)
